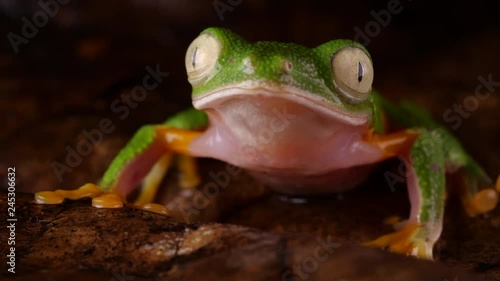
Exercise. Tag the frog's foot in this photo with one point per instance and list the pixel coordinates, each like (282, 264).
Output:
(155, 208)
(100, 199)
(88, 190)
(483, 201)
(108, 200)
(408, 240)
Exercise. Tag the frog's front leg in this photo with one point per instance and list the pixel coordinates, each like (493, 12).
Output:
(147, 158)
(425, 171)
(426, 159)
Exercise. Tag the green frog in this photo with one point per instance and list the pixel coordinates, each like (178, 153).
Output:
(301, 121)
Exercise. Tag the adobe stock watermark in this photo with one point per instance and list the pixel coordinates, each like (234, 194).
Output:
(381, 19)
(311, 263)
(223, 6)
(121, 106)
(455, 115)
(220, 180)
(30, 28)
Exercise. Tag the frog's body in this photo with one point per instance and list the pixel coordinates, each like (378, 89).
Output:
(301, 121)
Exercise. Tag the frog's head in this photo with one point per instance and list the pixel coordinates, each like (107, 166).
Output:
(334, 78)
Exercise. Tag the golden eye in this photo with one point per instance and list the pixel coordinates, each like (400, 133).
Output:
(352, 73)
(201, 58)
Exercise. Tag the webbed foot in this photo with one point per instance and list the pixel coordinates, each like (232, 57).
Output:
(408, 240)
(483, 201)
(88, 190)
(155, 208)
(100, 199)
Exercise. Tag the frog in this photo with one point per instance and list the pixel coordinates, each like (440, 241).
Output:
(302, 121)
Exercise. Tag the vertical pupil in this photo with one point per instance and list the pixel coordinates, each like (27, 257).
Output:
(193, 60)
(360, 72)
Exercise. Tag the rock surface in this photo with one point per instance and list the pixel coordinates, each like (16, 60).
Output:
(75, 241)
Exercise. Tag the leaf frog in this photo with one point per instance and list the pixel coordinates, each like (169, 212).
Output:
(301, 121)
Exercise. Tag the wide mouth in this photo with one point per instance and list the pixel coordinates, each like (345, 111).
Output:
(314, 102)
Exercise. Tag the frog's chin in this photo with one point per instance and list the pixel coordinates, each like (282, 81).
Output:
(258, 95)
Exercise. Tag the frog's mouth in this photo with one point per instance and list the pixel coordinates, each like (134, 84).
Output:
(257, 96)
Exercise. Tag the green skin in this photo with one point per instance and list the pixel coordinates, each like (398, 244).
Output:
(432, 152)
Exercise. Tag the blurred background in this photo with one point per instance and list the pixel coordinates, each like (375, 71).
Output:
(63, 64)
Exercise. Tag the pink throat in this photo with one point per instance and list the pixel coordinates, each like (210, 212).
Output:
(278, 139)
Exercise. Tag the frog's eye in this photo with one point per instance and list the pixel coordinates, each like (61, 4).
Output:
(352, 73)
(201, 58)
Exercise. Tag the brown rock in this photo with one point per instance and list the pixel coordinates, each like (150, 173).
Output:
(77, 241)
